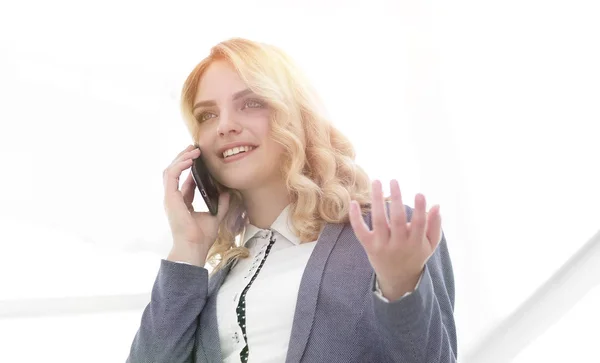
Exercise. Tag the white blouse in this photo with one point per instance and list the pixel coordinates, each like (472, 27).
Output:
(270, 300)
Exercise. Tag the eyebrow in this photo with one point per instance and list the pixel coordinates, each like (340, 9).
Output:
(213, 103)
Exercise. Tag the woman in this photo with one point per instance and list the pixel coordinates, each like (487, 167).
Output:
(307, 265)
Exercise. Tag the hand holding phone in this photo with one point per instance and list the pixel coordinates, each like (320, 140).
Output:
(193, 232)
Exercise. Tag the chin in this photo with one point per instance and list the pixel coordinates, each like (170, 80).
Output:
(249, 176)
(240, 179)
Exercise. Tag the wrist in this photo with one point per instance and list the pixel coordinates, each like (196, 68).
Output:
(195, 255)
(394, 289)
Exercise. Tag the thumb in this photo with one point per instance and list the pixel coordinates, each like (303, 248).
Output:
(223, 206)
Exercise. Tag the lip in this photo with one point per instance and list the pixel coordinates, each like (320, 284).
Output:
(221, 150)
(236, 157)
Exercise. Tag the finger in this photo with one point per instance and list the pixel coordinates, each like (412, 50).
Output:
(434, 227)
(172, 173)
(358, 224)
(191, 154)
(187, 149)
(398, 228)
(188, 189)
(417, 223)
(380, 223)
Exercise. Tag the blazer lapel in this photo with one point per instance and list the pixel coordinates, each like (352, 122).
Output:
(217, 279)
(209, 337)
(310, 284)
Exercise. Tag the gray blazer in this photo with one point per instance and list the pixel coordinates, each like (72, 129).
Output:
(338, 317)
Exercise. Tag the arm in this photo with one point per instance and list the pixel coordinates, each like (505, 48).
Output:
(419, 327)
(168, 326)
(407, 248)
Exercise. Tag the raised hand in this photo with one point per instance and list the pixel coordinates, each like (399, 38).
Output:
(397, 250)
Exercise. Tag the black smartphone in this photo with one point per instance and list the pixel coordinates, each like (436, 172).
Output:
(206, 186)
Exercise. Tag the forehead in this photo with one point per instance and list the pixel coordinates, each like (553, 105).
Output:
(219, 82)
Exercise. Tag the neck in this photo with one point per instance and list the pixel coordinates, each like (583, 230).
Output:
(263, 205)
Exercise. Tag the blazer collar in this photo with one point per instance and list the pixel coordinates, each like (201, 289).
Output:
(210, 346)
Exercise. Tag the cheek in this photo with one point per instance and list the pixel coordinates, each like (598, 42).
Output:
(206, 141)
(262, 130)
(206, 136)
(275, 152)
(259, 123)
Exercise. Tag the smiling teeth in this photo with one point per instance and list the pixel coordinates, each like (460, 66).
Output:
(237, 150)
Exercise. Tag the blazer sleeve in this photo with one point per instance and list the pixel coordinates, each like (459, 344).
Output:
(168, 325)
(419, 327)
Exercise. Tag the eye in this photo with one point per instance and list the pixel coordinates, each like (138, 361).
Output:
(205, 116)
(251, 103)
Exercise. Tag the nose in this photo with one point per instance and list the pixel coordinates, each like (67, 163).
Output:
(227, 125)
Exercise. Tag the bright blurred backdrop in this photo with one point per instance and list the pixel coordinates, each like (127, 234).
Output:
(488, 108)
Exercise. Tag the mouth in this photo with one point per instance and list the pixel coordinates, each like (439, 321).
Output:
(237, 152)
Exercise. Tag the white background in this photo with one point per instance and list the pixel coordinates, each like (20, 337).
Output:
(489, 108)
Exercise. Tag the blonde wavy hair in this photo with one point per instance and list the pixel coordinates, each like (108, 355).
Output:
(319, 165)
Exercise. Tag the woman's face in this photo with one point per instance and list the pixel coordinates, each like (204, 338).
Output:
(234, 131)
